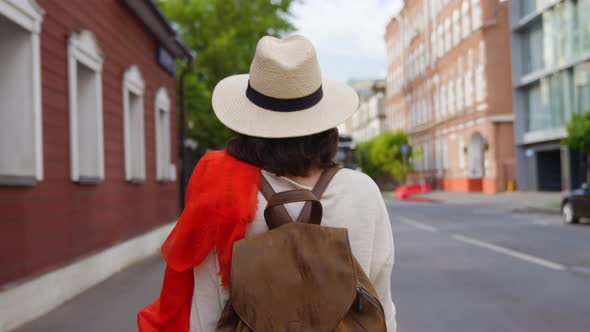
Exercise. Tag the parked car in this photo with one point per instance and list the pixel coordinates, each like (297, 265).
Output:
(576, 205)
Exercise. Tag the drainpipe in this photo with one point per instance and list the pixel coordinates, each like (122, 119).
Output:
(182, 131)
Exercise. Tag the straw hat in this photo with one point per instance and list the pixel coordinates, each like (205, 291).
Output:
(284, 95)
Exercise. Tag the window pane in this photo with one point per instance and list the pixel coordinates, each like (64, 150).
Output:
(527, 7)
(582, 83)
(136, 135)
(456, 27)
(468, 88)
(87, 108)
(533, 50)
(550, 103)
(533, 108)
(465, 15)
(17, 130)
(447, 34)
(459, 87)
(451, 92)
(583, 26)
(476, 14)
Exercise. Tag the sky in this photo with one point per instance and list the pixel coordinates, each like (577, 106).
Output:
(348, 35)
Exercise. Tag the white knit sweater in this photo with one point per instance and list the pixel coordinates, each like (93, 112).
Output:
(351, 200)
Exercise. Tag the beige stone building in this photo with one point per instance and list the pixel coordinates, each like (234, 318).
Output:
(448, 85)
(368, 121)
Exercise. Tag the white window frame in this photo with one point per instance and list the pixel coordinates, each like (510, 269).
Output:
(440, 48)
(29, 15)
(164, 167)
(456, 28)
(133, 83)
(451, 97)
(84, 49)
(465, 19)
(476, 14)
(480, 84)
(459, 95)
(482, 52)
(443, 100)
(433, 51)
(469, 90)
(436, 96)
(445, 153)
(448, 35)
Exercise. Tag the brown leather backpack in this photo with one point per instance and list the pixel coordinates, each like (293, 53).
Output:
(299, 276)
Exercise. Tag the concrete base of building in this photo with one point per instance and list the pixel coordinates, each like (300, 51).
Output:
(25, 301)
(485, 185)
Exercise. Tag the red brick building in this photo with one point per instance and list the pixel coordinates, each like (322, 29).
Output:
(88, 144)
(448, 82)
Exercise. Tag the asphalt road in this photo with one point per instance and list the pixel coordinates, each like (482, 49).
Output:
(472, 268)
(459, 268)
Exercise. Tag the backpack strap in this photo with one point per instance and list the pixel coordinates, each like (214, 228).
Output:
(277, 216)
(291, 196)
(318, 190)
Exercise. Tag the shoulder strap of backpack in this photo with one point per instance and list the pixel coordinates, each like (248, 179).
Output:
(318, 191)
(279, 215)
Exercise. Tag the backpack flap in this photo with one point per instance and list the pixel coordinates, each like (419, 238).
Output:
(298, 275)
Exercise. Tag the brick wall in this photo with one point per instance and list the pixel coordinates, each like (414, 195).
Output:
(57, 221)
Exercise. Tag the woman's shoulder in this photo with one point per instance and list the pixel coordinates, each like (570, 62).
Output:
(357, 182)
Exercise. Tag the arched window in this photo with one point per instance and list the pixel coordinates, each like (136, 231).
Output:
(133, 91)
(21, 148)
(85, 98)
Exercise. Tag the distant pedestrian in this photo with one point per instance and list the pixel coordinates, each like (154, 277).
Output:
(225, 270)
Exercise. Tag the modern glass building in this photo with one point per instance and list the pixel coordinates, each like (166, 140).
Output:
(551, 80)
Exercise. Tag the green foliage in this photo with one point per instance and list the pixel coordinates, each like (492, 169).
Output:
(382, 157)
(367, 165)
(223, 35)
(578, 137)
(578, 132)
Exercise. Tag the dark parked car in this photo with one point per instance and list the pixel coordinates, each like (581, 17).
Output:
(576, 205)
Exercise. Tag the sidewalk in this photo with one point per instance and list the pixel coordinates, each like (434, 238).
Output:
(519, 201)
(109, 306)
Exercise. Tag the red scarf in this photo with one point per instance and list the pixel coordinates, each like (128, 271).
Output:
(221, 200)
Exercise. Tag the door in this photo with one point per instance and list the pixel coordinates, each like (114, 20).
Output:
(476, 156)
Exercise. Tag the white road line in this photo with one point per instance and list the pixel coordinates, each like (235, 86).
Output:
(418, 225)
(510, 252)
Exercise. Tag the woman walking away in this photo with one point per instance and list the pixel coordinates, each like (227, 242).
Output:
(274, 235)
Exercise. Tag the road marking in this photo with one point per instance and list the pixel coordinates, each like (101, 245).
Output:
(418, 225)
(510, 252)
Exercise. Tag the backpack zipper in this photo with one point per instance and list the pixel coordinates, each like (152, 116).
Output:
(362, 294)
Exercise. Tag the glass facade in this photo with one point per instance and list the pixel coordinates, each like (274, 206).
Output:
(582, 91)
(560, 36)
(550, 102)
(530, 6)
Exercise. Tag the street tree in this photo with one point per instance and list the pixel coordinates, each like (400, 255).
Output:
(578, 137)
(382, 156)
(223, 36)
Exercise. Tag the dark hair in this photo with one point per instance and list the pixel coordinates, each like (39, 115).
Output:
(286, 156)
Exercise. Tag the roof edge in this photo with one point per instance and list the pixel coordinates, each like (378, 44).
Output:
(159, 26)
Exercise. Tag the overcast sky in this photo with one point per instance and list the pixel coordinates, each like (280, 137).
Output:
(347, 34)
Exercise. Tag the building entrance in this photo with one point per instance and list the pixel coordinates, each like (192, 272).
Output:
(549, 170)
(476, 156)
